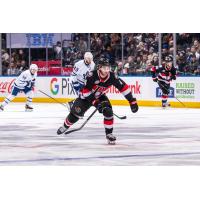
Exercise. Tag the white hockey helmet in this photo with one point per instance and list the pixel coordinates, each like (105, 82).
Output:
(88, 56)
(33, 67)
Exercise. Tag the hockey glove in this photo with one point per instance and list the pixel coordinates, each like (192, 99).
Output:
(77, 86)
(134, 106)
(155, 79)
(172, 78)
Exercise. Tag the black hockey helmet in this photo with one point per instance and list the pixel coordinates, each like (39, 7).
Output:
(168, 59)
(103, 62)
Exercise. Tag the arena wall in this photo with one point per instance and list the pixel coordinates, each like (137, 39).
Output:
(185, 89)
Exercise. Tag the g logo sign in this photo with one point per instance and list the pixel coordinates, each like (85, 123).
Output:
(53, 86)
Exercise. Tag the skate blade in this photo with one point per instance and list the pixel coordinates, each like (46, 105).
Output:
(28, 110)
(111, 142)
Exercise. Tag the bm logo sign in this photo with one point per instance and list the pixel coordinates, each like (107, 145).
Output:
(159, 92)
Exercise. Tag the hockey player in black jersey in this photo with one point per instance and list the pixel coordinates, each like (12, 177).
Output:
(163, 75)
(93, 94)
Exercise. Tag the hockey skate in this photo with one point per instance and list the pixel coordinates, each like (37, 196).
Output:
(62, 130)
(165, 105)
(28, 108)
(1, 108)
(110, 138)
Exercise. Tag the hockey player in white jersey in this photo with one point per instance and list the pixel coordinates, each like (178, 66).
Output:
(81, 70)
(24, 83)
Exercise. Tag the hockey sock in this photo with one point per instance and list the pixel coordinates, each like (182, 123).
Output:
(29, 97)
(164, 99)
(8, 99)
(70, 120)
(108, 124)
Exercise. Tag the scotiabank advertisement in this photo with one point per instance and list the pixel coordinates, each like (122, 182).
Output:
(143, 88)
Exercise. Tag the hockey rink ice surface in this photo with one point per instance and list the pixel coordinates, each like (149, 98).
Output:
(152, 136)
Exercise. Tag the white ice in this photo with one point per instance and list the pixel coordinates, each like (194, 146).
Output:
(152, 136)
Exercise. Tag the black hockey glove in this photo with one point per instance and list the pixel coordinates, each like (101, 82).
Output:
(173, 78)
(155, 79)
(134, 106)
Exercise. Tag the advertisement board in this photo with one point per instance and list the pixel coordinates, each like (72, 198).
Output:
(144, 89)
(34, 40)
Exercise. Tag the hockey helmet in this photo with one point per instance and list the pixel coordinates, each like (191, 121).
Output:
(168, 59)
(33, 67)
(103, 62)
(88, 58)
(88, 55)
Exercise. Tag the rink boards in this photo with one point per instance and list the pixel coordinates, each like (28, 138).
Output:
(185, 89)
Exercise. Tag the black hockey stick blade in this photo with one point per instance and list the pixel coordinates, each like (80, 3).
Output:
(77, 129)
(120, 117)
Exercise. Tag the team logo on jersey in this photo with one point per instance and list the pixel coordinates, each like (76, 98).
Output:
(77, 109)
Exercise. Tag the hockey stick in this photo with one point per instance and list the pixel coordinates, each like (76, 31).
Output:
(63, 104)
(77, 129)
(66, 105)
(122, 117)
(174, 96)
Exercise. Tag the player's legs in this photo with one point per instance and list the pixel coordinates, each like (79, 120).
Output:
(29, 94)
(10, 97)
(80, 106)
(106, 109)
(165, 92)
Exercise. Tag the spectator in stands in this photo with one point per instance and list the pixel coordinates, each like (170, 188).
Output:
(68, 58)
(139, 66)
(23, 66)
(115, 44)
(97, 45)
(109, 54)
(155, 61)
(4, 56)
(12, 70)
(118, 68)
(181, 61)
(82, 45)
(192, 64)
(151, 54)
(131, 49)
(57, 50)
(142, 68)
(197, 72)
(21, 55)
(14, 56)
(149, 65)
(129, 67)
(71, 48)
